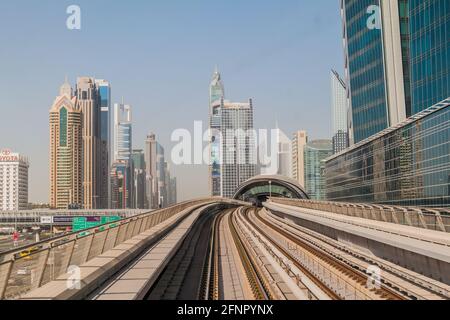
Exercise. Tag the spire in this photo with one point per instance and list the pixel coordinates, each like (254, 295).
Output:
(66, 89)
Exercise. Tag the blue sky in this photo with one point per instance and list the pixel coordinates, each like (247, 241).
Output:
(160, 55)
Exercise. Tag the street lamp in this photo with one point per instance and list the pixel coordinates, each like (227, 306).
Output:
(270, 188)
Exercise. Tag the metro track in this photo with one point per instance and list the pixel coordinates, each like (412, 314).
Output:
(247, 253)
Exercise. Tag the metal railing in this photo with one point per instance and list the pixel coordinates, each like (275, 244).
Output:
(30, 267)
(437, 219)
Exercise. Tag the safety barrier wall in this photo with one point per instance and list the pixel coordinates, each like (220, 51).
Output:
(30, 267)
(427, 218)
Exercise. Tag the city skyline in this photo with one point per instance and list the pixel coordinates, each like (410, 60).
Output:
(151, 87)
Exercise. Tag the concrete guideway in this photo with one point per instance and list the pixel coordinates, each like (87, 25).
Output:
(135, 281)
(100, 269)
(218, 249)
(381, 239)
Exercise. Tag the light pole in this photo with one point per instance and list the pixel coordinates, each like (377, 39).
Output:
(270, 189)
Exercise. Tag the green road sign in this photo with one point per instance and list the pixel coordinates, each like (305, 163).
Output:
(82, 223)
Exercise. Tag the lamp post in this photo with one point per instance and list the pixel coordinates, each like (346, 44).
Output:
(270, 189)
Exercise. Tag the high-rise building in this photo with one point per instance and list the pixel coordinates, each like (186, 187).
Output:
(122, 149)
(216, 95)
(395, 67)
(88, 104)
(374, 64)
(161, 176)
(284, 155)
(339, 113)
(151, 179)
(120, 185)
(122, 132)
(13, 181)
(138, 159)
(65, 151)
(173, 191)
(429, 49)
(238, 146)
(298, 156)
(315, 154)
(104, 93)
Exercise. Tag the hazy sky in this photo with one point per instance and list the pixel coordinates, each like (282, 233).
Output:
(160, 55)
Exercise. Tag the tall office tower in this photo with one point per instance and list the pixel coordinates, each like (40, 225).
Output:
(339, 113)
(122, 132)
(122, 147)
(429, 34)
(13, 181)
(216, 95)
(315, 154)
(151, 180)
(104, 92)
(138, 159)
(376, 65)
(283, 165)
(120, 185)
(161, 176)
(298, 156)
(238, 146)
(65, 151)
(173, 190)
(88, 103)
(284, 155)
(167, 179)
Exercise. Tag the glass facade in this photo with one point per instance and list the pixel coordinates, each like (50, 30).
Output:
(315, 154)
(366, 70)
(408, 165)
(105, 102)
(429, 25)
(63, 127)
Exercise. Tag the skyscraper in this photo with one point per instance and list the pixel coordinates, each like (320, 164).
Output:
(216, 95)
(122, 132)
(238, 146)
(429, 49)
(13, 181)
(104, 92)
(397, 66)
(151, 179)
(120, 185)
(88, 104)
(315, 154)
(65, 151)
(298, 156)
(138, 159)
(339, 113)
(161, 176)
(374, 64)
(122, 151)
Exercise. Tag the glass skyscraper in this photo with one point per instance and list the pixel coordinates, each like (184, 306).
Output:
(238, 146)
(366, 73)
(104, 93)
(429, 28)
(216, 95)
(398, 66)
(339, 112)
(315, 153)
